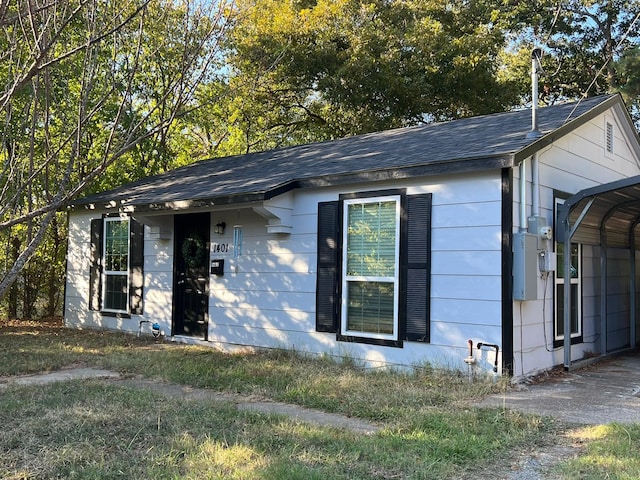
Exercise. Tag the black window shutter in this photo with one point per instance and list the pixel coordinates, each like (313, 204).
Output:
(95, 271)
(328, 267)
(136, 264)
(418, 268)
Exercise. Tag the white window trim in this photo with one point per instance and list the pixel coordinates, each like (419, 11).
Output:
(573, 281)
(106, 273)
(345, 278)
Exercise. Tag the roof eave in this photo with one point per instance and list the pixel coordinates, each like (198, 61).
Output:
(549, 138)
(440, 168)
(483, 163)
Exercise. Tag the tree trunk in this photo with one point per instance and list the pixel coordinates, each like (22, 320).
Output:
(54, 279)
(13, 293)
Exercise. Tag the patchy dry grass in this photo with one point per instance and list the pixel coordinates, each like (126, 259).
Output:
(610, 451)
(98, 429)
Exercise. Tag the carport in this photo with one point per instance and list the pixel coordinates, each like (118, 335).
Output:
(606, 216)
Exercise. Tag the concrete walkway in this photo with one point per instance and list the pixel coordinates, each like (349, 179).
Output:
(59, 376)
(171, 390)
(607, 391)
(604, 392)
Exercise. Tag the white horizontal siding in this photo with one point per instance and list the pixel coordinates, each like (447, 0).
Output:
(77, 276)
(463, 262)
(466, 311)
(266, 296)
(262, 282)
(467, 238)
(572, 163)
(461, 287)
(263, 300)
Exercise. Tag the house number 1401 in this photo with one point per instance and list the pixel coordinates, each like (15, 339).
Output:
(220, 248)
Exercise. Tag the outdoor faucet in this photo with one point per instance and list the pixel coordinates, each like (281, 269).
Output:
(490, 345)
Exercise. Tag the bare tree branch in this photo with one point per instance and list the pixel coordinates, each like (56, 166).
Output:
(118, 95)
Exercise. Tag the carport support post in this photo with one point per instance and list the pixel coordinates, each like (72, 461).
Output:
(604, 246)
(632, 296)
(567, 299)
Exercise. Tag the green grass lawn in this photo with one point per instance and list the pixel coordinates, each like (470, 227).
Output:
(101, 429)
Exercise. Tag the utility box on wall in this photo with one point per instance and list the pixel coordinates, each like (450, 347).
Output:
(525, 266)
(217, 267)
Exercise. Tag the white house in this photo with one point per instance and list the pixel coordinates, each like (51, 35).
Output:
(434, 244)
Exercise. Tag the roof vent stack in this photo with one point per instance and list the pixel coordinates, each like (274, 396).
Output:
(536, 55)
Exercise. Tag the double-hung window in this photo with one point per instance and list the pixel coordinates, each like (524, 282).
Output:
(373, 282)
(571, 286)
(371, 267)
(116, 265)
(568, 283)
(116, 277)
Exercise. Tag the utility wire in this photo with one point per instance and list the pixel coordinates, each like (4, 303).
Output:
(604, 65)
(553, 24)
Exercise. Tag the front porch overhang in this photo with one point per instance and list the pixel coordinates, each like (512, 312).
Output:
(606, 215)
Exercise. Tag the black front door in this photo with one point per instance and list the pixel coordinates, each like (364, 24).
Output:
(191, 275)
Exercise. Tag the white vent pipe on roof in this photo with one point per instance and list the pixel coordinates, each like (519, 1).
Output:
(536, 55)
(536, 67)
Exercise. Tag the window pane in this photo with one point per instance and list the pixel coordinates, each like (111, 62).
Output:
(574, 309)
(370, 307)
(116, 256)
(560, 260)
(116, 264)
(115, 294)
(371, 241)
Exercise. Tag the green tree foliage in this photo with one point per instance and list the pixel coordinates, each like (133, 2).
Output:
(302, 70)
(628, 81)
(95, 94)
(588, 46)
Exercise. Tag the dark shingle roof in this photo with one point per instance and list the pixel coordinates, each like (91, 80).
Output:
(484, 142)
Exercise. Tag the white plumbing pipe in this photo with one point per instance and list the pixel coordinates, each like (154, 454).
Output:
(523, 195)
(535, 186)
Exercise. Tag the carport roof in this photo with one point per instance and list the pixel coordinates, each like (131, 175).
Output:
(479, 143)
(612, 208)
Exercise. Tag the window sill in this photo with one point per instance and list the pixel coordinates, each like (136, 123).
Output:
(574, 341)
(115, 314)
(370, 341)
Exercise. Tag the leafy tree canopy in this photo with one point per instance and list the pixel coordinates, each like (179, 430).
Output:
(331, 68)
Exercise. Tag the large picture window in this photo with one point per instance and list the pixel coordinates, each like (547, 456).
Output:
(116, 265)
(370, 267)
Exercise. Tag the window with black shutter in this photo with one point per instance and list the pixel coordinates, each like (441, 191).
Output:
(327, 292)
(373, 280)
(116, 276)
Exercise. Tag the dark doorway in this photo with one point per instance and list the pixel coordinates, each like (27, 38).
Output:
(191, 275)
